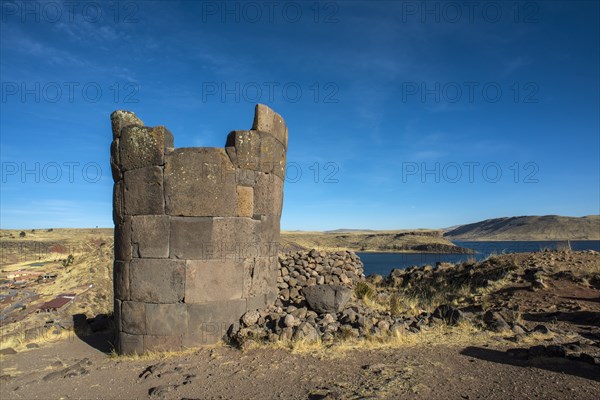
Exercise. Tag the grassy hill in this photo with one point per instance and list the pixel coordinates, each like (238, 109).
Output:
(547, 227)
(406, 241)
(88, 276)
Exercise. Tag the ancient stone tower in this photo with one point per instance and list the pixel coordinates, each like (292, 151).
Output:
(196, 231)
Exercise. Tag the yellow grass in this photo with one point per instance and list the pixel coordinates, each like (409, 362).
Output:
(160, 355)
(50, 335)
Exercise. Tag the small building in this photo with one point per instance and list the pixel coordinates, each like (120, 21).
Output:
(24, 274)
(55, 304)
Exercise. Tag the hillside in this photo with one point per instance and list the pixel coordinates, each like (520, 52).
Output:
(547, 227)
(404, 241)
(86, 278)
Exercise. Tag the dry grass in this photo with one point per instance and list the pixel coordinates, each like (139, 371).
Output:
(44, 336)
(159, 355)
(462, 334)
(363, 289)
(393, 241)
(90, 275)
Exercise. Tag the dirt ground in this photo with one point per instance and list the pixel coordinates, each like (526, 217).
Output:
(452, 365)
(74, 369)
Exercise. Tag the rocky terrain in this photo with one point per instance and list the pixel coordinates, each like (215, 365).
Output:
(547, 227)
(517, 325)
(325, 297)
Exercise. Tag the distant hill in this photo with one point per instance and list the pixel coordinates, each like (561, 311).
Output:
(547, 227)
(409, 241)
(345, 230)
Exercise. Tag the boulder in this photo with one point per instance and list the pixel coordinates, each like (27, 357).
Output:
(250, 318)
(306, 332)
(495, 322)
(327, 298)
(449, 314)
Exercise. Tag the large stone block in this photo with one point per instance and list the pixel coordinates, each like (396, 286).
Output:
(121, 279)
(268, 194)
(118, 202)
(130, 344)
(235, 230)
(260, 276)
(208, 281)
(191, 238)
(257, 151)
(117, 315)
(133, 317)
(222, 238)
(122, 241)
(150, 236)
(245, 201)
(156, 280)
(269, 234)
(162, 343)
(120, 119)
(115, 167)
(208, 323)
(143, 194)
(166, 319)
(246, 177)
(262, 301)
(267, 120)
(256, 302)
(200, 182)
(143, 146)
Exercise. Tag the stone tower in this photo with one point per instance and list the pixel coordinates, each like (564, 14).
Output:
(196, 231)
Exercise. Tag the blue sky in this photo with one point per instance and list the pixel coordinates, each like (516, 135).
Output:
(414, 114)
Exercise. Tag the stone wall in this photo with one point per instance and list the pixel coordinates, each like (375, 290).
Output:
(196, 231)
(302, 269)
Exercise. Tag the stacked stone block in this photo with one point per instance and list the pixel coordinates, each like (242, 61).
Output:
(196, 231)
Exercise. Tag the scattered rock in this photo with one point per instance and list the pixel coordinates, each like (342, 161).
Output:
(541, 329)
(495, 322)
(161, 391)
(448, 314)
(306, 332)
(250, 318)
(289, 320)
(77, 369)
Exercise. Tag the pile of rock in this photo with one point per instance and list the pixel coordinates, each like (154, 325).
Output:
(314, 301)
(304, 269)
(317, 301)
(323, 296)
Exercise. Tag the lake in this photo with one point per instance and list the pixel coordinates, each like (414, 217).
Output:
(383, 263)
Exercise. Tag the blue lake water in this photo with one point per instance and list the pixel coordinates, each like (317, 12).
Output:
(383, 263)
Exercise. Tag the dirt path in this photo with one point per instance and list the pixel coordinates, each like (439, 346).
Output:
(73, 369)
